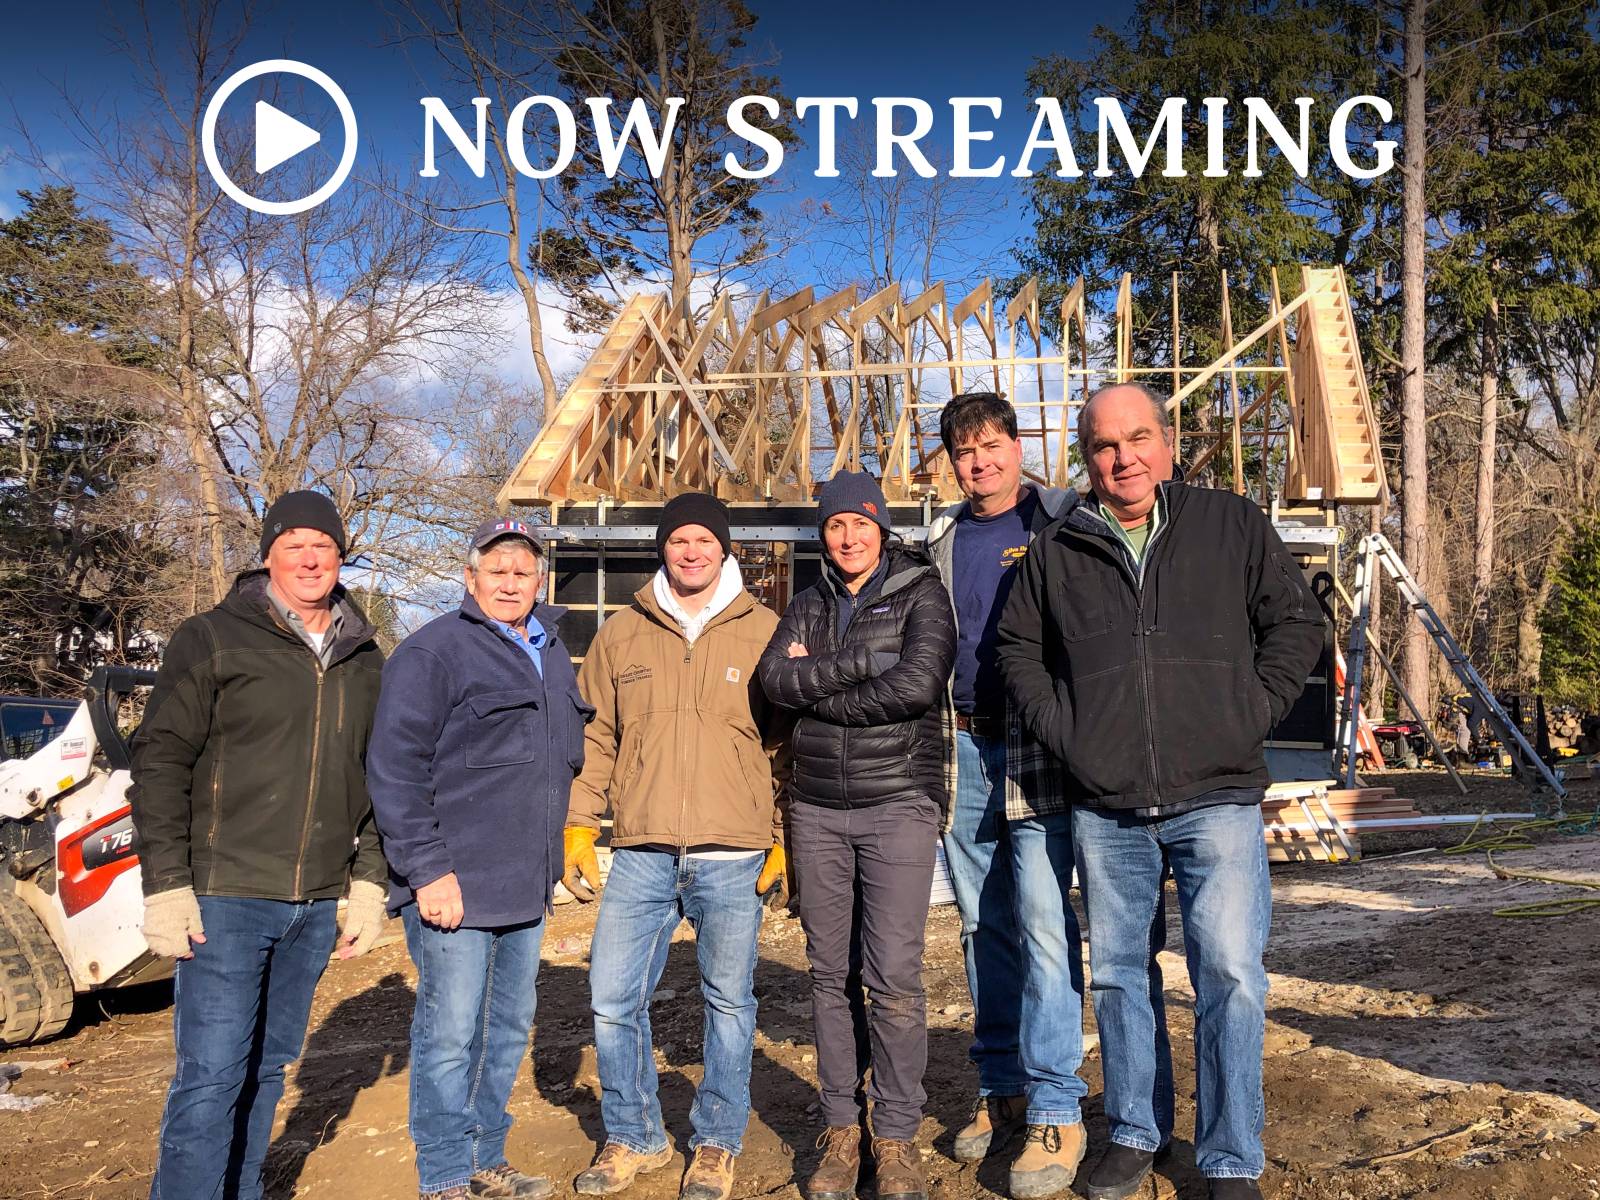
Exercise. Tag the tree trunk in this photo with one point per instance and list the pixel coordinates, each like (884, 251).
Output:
(1413, 301)
(1530, 638)
(530, 300)
(1483, 513)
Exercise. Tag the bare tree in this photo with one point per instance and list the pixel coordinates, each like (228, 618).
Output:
(502, 51)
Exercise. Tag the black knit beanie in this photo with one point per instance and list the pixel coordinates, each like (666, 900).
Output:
(301, 510)
(693, 508)
(852, 491)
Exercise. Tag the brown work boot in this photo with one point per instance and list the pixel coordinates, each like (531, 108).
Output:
(836, 1175)
(505, 1182)
(710, 1175)
(995, 1121)
(615, 1168)
(899, 1169)
(1048, 1162)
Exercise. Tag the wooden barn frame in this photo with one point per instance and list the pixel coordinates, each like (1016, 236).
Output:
(759, 402)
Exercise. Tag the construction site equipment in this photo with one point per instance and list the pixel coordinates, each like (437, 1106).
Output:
(1316, 820)
(1497, 840)
(71, 905)
(1376, 551)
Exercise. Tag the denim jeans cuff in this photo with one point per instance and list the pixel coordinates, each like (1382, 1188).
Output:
(1054, 1116)
(1234, 1173)
(1134, 1142)
(453, 1181)
(728, 1144)
(1003, 1092)
(637, 1147)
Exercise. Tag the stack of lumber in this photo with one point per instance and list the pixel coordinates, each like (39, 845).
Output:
(1292, 837)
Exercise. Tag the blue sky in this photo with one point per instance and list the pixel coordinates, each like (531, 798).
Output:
(822, 47)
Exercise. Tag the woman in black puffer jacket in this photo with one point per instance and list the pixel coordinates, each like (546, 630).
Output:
(863, 658)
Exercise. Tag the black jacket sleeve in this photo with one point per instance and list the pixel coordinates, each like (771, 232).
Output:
(1286, 618)
(176, 727)
(1019, 649)
(798, 683)
(916, 683)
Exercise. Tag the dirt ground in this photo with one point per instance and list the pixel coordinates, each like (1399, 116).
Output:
(1417, 1045)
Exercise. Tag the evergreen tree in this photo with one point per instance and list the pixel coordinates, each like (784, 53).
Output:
(694, 217)
(1571, 623)
(75, 433)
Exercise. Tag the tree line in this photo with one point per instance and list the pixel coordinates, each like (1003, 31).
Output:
(170, 362)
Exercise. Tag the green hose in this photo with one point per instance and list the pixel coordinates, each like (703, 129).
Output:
(1516, 838)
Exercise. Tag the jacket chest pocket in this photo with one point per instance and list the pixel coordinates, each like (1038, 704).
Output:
(1082, 608)
(506, 730)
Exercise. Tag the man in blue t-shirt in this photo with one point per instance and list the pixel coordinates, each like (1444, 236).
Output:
(1009, 842)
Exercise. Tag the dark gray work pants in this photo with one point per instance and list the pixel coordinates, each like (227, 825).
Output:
(863, 876)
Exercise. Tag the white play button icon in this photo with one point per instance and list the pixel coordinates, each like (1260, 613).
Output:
(279, 137)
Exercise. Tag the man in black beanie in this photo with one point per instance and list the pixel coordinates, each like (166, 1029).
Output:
(676, 754)
(302, 510)
(694, 508)
(249, 797)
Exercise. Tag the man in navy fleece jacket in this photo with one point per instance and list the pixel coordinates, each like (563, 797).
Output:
(477, 738)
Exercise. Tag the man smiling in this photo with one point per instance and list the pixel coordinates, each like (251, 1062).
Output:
(253, 817)
(676, 753)
(479, 733)
(1153, 638)
(1009, 841)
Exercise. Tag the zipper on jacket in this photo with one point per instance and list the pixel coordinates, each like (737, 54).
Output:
(1137, 579)
(216, 790)
(1144, 666)
(311, 780)
(683, 749)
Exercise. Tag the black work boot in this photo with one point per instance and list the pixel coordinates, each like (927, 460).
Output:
(1121, 1171)
(1234, 1189)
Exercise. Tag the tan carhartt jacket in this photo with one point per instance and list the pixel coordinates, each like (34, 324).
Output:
(681, 743)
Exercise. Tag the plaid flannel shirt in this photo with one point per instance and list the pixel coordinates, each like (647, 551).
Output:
(1036, 784)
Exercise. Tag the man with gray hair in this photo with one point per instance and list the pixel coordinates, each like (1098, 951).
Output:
(1155, 635)
(478, 735)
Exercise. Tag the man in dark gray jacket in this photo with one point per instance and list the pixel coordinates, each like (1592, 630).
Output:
(1154, 637)
(251, 807)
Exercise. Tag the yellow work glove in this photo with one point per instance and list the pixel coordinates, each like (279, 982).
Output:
(774, 880)
(582, 869)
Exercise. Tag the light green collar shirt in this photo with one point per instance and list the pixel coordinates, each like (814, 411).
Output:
(1137, 538)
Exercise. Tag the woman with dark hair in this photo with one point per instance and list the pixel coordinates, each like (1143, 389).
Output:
(863, 657)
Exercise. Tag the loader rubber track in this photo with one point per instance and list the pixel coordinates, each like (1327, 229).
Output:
(35, 988)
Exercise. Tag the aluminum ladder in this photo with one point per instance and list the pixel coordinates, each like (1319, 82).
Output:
(1376, 550)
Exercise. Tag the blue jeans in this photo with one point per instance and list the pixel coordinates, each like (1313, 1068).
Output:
(240, 1008)
(1217, 856)
(646, 894)
(469, 1034)
(1011, 880)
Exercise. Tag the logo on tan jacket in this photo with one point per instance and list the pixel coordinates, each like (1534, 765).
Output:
(633, 674)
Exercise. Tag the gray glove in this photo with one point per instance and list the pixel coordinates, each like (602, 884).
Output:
(171, 921)
(364, 913)
(882, 660)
